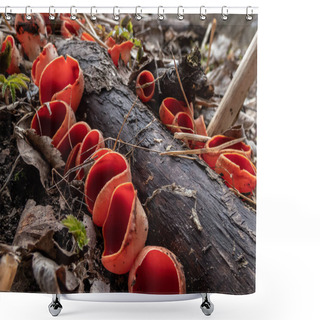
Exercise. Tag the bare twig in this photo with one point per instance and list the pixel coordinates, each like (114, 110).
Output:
(6, 22)
(148, 84)
(90, 25)
(10, 174)
(178, 127)
(124, 121)
(203, 150)
(191, 136)
(181, 87)
(243, 196)
(102, 44)
(213, 29)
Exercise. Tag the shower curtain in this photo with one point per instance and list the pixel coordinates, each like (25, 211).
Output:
(128, 153)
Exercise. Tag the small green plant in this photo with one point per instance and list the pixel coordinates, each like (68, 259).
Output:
(5, 57)
(77, 229)
(9, 85)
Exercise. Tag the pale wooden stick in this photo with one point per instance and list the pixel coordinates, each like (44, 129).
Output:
(90, 25)
(212, 150)
(213, 29)
(232, 101)
(191, 136)
(8, 269)
(102, 44)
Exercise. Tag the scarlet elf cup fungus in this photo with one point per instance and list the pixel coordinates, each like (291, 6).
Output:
(32, 34)
(91, 142)
(104, 176)
(169, 108)
(145, 86)
(211, 158)
(156, 270)
(74, 136)
(237, 171)
(53, 119)
(121, 51)
(62, 79)
(125, 230)
(14, 55)
(48, 53)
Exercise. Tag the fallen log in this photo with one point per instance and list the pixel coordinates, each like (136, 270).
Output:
(190, 210)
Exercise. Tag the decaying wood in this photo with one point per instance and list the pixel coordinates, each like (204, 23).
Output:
(190, 210)
(236, 93)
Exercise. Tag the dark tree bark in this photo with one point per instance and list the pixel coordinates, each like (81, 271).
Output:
(190, 210)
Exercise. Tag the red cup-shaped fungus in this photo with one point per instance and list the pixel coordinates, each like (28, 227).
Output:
(211, 158)
(121, 51)
(169, 108)
(74, 136)
(182, 122)
(124, 231)
(62, 79)
(91, 143)
(157, 270)
(109, 171)
(110, 42)
(99, 153)
(71, 162)
(53, 119)
(48, 53)
(69, 27)
(32, 34)
(14, 54)
(145, 92)
(87, 37)
(237, 171)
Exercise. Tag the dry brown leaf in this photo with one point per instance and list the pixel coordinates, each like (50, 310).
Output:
(37, 151)
(44, 146)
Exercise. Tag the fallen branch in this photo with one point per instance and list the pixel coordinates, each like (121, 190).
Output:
(228, 223)
(236, 93)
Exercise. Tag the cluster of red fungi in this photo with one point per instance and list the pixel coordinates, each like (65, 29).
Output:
(109, 193)
(232, 163)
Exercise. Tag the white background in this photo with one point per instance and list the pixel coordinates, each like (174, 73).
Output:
(288, 273)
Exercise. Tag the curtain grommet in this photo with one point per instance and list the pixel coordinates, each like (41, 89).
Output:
(52, 12)
(93, 15)
(203, 13)
(116, 13)
(224, 13)
(7, 12)
(249, 13)
(73, 15)
(160, 15)
(180, 13)
(138, 15)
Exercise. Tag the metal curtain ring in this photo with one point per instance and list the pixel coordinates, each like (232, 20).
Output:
(28, 11)
(6, 13)
(180, 13)
(73, 15)
(52, 11)
(224, 13)
(160, 15)
(249, 14)
(203, 13)
(93, 15)
(116, 15)
(138, 14)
